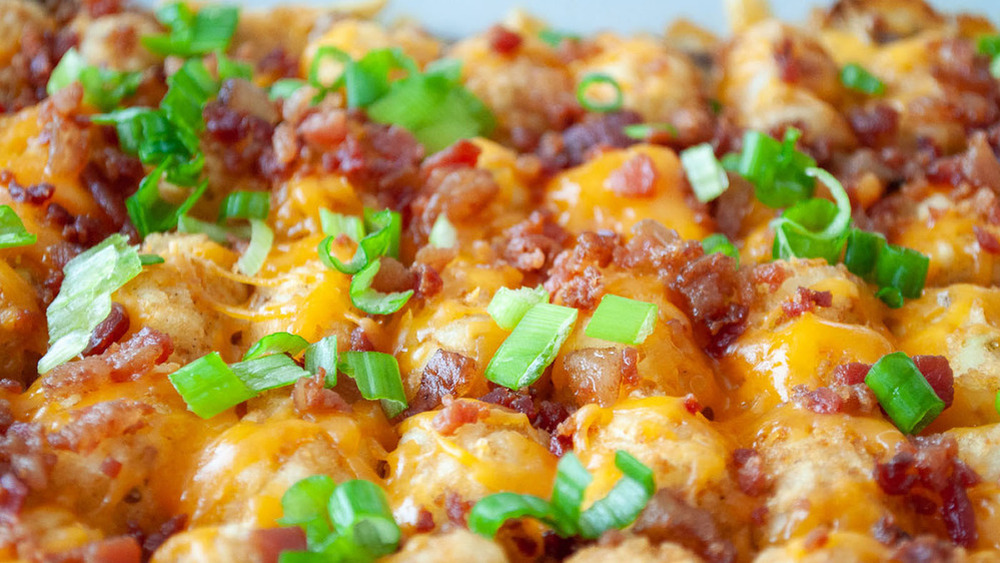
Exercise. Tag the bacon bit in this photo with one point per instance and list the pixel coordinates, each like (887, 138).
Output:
(817, 538)
(270, 542)
(310, 396)
(120, 549)
(852, 373)
(806, 300)
(120, 362)
(108, 331)
(595, 132)
(820, 401)
(789, 66)
(360, 341)
(503, 40)
(667, 517)
(517, 402)
(35, 194)
(550, 415)
(428, 281)
(89, 426)
(771, 274)
(691, 404)
(457, 509)
(534, 243)
(446, 373)
(923, 549)
(928, 467)
(938, 373)
(111, 467)
(456, 414)
(635, 178)
(750, 471)
(153, 541)
(462, 154)
(13, 491)
(425, 521)
(987, 240)
(630, 366)
(873, 127)
(759, 515)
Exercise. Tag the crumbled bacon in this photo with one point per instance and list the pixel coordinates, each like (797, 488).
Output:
(750, 471)
(937, 372)
(635, 178)
(805, 301)
(518, 402)
(456, 414)
(90, 426)
(987, 240)
(446, 373)
(120, 362)
(630, 366)
(595, 132)
(457, 509)
(927, 471)
(667, 517)
(533, 244)
(503, 40)
(875, 126)
(268, 543)
(852, 373)
(310, 396)
(462, 154)
(108, 331)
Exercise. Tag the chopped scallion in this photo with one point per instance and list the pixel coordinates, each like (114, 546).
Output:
(277, 343)
(595, 79)
(532, 346)
(904, 392)
(645, 131)
(12, 231)
(323, 355)
(508, 306)
(208, 30)
(707, 177)
(855, 77)
(268, 372)
(443, 233)
(150, 259)
(245, 205)
(378, 378)
(623, 320)
(102, 88)
(776, 169)
(336, 224)
(372, 301)
(554, 38)
(261, 239)
(718, 242)
(209, 386)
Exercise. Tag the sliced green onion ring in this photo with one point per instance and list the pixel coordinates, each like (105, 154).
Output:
(855, 77)
(150, 259)
(589, 104)
(360, 513)
(443, 233)
(245, 205)
(508, 306)
(644, 131)
(707, 177)
(268, 372)
(336, 224)
(490, 513)
(378, 378)
(624, 502)
(12, 231)
(568, 490)
(323, 354)
(209, 386)
(261, 239)
(372, 301)
(277, 343)
(904, 392)
(718, 242)
(623, 320)
(532, 346)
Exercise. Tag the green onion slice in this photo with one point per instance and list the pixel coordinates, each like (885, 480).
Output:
(12, 231)
(855, 77)
(284, 88)
(643, 131)
(336, 224)
(718, 242)
(891, 296)
(277, 343)
(776, 169)
(707, 177)
(619, 319)
(261, 239)
(902, 268)
(572, 479)
(323, 354)
(245, 205)
(508, 306)
(389, 221)
(373, 301)
(554, 38)
(211, 29)
(378, 378)
(84, 299)
(268, 372)
(532, 346)
(443, 233)
(218, 233)
(589, 104)
(904, 392)
(150, 259)
(209, 386)
(360, 513)
(150, 212)
(491, 512)
(102, 88)
(862, 252)
(814, 228)
(316, 66)
(624, 502)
